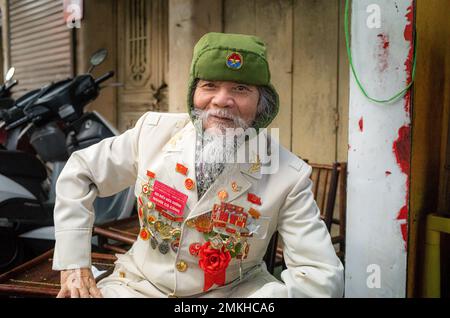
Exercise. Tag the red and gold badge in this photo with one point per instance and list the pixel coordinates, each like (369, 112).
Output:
(181, 169)
(144, 234)
(189, 184)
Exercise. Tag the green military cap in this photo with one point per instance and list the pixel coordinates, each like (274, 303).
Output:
(232, 57)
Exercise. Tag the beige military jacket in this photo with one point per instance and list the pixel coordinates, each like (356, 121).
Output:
(157, 143)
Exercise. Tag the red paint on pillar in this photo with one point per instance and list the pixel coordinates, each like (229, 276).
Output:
(361, 124)
(402, 148)
(402, 151)
(409, 37)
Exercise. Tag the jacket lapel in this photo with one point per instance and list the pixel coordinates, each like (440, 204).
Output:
(181, 150)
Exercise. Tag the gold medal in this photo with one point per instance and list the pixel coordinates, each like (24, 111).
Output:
(190, 223)
(165, 232)
(158, 225)
(235, 187)
(175, 233)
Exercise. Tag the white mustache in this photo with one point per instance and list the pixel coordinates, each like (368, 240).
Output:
(203, 115)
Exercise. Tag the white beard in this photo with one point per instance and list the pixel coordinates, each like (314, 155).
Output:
(219, 143)
(217, 149)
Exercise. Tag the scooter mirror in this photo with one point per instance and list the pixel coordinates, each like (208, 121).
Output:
(10, 74)
(98, 57)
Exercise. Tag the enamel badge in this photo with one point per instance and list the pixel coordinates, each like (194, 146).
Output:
(235, 61)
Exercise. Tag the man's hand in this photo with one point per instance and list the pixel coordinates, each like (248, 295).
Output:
(78, 283)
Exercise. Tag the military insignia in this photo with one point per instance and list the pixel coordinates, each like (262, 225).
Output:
(223, 195)
(150, 174)
(216, 242)
(191, 223)
(163, 247)
(256, 166)
(165, 232)
(194, 248)
(154, 242)
(254, 213)
(175, 245)
(253, 198)
(181, 169)
(189, 184)
(150, 205)
(175, 233)
(203, 223)
(145, 188)
(235, 61)
(235, 187)
(144, 234)
(151, 219)
(140, 213)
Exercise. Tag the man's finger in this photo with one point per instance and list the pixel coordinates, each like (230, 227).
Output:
(63, 293)
(84, 293)
(95, 292)
(74, 293)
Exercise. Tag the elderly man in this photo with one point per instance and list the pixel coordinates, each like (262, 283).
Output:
(206, 218)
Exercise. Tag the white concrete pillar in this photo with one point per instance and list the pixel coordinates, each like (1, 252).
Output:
(379, 149)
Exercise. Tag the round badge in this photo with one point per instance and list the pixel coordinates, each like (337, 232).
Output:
(145, 188)
(174, 245)
(194, 248)
(189, 183)
(223, 195)
(150, 205)
(182, 266)
(235, 61)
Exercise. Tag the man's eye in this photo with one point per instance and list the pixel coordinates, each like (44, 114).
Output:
(209, 85)
(241, 88)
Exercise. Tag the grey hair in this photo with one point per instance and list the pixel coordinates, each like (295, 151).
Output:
(266, 103)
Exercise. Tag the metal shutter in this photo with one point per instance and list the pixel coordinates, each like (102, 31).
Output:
(40, 43)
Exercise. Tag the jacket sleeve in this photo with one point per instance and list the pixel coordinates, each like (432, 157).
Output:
(100, 170)
(313, 268)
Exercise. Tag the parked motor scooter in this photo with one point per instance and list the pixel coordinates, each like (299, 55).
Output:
(53, 121)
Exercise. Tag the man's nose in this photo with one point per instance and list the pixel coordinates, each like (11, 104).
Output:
(223, 98)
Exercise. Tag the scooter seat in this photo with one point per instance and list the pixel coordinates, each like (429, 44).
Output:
(22, 165)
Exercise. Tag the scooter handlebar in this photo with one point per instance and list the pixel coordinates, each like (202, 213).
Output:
(104, 77)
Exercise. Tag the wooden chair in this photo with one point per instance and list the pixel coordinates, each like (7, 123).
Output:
(328, 181)
(123, 233)
(36, 278)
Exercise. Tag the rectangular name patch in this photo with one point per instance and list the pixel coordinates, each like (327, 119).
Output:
(168, 198)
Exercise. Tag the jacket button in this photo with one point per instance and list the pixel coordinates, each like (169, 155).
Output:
(182, 266)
